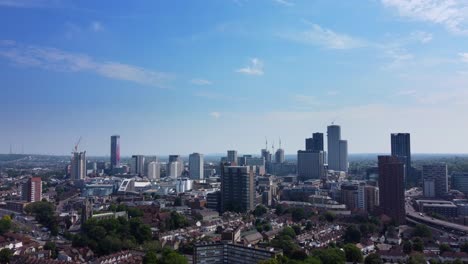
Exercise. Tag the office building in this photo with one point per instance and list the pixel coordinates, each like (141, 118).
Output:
(337, 149)
(78, 166)
(224, 253)
(349, 196)
(392, 187)
(310, 165)
(315, 143)
(179, 166)
(266, 155)
(401, 147)
(32, 190)
(196, 162)
(460, 182)
(237, 188)
(232, 156)
(279, 156)
(138, 165)
(372, 198)
(435, 180)
(115, 151)
(154, 170)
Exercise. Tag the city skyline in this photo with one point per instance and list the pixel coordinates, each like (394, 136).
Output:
(150, 70)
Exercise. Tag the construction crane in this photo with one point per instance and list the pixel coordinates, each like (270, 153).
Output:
(75, 148)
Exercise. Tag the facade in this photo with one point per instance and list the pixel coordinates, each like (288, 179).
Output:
(173, 169)
(372, 198)
(266, 155)
(337, 149)
(196, 163)
(392, 187)
(232, 156)
(315, 143)
(225, 253)
(279, 156)
(401, 147)
(310, 164)
(154, 170)
(115, 151)
(138, 165)
(213, 201)
(435, 180)
(78, 166)
(32, 190)
(460, 182)
(237, 189)
(180, 166)
(349, 196)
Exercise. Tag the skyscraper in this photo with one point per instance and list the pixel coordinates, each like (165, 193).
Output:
(279, 156)
(401, 147)
(32, 190)
(196, 166)
(154, 170)
(266, 155)
(337, 149)
(232, 156)
(392, 187)
(460, 182)
(310, 165)
(179, 168)
(237, 189)
(315, 143)
(115, 151)
(138, 165)
(78, 166)
(435, 180)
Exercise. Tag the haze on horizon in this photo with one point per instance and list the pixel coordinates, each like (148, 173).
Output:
(191, 76)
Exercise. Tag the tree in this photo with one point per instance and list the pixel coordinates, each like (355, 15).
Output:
(298, 214)
(288, 231)
(178, 201)
(269, 261)
(297, 229)
(422, 231)
(417, 259)
(52, 247)
(260, 210)
(444, 248)
(407, 247)
(373, 258)
(352, 253)
(5, 255)
(150, 258)
(134, 212)
(352, 235)
(329, 216)
(5, 224)
(172, 257)
(279, 209)
(464, 247)
(418, 244)
(308, 226)
(330, 256)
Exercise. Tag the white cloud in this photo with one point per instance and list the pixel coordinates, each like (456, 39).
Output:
(215, 115)
(452, 14)
(406, 92)
(30, 3)
(332, 93)
(254, 68)
(96, 26)
(306, 100)
(463, 56)
(57, 60)
(421, 36)
(284, 2)
(199, 81)
(327, 38)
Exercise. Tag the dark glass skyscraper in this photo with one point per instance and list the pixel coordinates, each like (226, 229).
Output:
(315, 143)
(401, 147)
(392, 187)
(115, 151)
(237, 188)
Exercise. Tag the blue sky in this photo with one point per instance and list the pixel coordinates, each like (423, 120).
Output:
(206, 76)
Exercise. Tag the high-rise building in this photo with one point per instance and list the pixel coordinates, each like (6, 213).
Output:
(138, 165)
(115, 151)
(279, 156)
(392, 187)
(173, 169)
(232, 156)
(154, 170)
(237, 189)
(32, 190)
(78, 166)
(349, 196)
(401, 147)
(266, 155)
(435, 180)
(180, 165)
(460, 182)
(310, 165)
(315, 143)
(372, 198)
(196, 169)
(337, 149)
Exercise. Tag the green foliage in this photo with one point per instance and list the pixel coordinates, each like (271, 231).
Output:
(5, 255)
(367, 228)
(330, 256)
(444, 248)
(285, 241)
(178, 201)
(260, 210)
(44, 213)
(52, 247)
(418, 244)
(150, 258)
(297, 229)
(422, 231)
(5, 224)
(329, 216)
(407, 247)
(352, 253)
(298, 214)
(352, 235)
(172, 257)
(288, 231)
(417, 259)
(262, 225)
(308, 226)
(280, 210)
(464, 247)
(373, 258)
(176, 221)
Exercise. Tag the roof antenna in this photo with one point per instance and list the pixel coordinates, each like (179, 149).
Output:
(280, 143)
